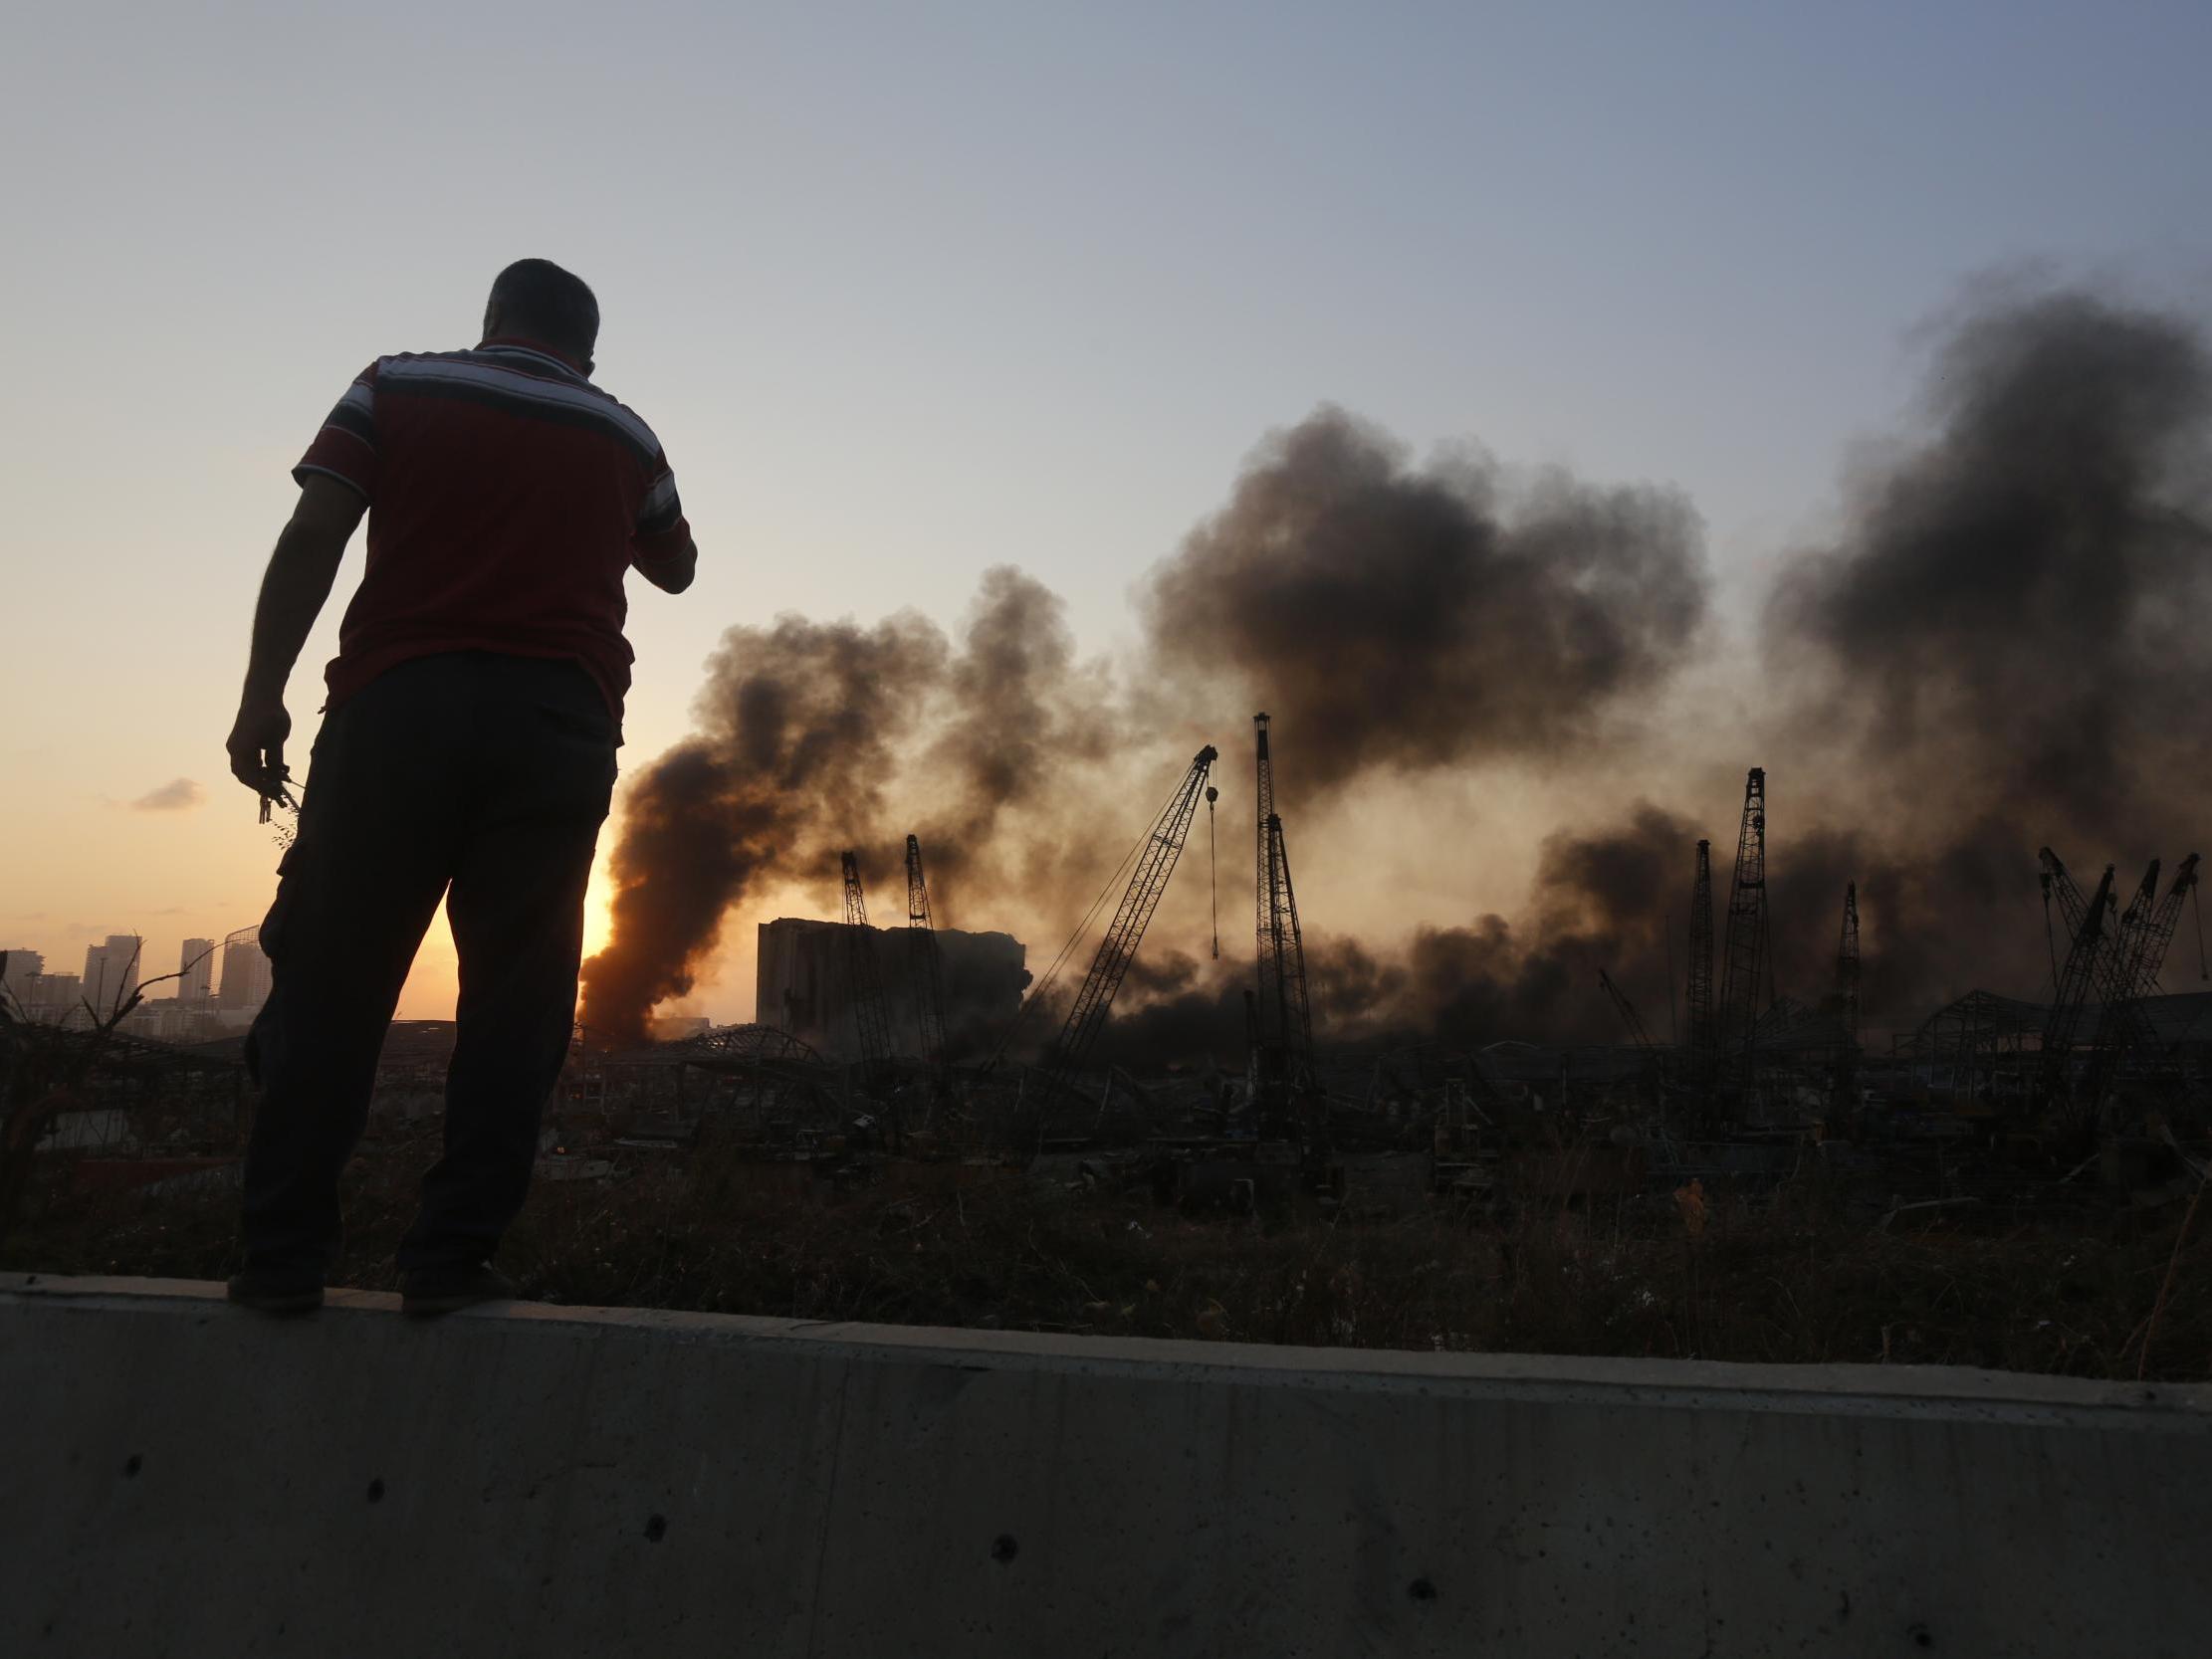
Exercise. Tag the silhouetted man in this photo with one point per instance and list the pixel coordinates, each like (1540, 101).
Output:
(467, 753)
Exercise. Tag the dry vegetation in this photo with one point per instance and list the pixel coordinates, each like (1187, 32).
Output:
(1784, 1278)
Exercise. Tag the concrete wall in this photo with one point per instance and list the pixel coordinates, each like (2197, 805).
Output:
(183, 1478)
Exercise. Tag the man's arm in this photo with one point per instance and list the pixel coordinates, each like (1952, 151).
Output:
(674, 573)
(661, 544)
(293, 591)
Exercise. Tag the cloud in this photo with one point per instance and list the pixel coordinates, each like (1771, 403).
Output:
(179, 795)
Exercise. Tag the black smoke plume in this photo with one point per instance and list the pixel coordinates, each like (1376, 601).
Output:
(1417, 618)
(1448, 619)
(815, 737)
(794, 718)
(2008, 647)
(2005, 644)
(2018, 604)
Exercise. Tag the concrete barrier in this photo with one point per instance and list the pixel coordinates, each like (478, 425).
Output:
(185, 1479)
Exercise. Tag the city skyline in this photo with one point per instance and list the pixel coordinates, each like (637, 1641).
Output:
(216, 987)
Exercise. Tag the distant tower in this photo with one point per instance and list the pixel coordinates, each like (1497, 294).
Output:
(197, 970)
(18, 967)
(111, 972)
(246, 981)
(1745, 958)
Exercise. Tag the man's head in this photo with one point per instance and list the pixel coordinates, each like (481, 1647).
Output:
(535, 298)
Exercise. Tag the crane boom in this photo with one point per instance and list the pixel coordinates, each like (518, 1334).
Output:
(2128, 945)
(1282, 1015)
(1156, 861)
(928, 963)
(2145, 934)
(2060, 881)
(2117, 945)
(866, 983)
(2112, 937)
(1627, 1010)
(2158, 933)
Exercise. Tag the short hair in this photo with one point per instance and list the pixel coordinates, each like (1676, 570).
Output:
(538, 298)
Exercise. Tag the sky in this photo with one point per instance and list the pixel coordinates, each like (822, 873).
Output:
(913, 290)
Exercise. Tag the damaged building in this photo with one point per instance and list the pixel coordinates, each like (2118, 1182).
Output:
(805, 984)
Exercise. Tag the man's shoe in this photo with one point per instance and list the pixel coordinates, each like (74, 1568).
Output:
(274, 1293)
(447, 1290)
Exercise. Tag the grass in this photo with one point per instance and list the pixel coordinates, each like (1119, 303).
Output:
(1788, 1278)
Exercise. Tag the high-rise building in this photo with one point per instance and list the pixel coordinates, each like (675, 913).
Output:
(18, 967)
(197, 970)
(55, 999)
(111, 972)
(245, 972)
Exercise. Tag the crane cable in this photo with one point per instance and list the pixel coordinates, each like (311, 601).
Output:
(2197, 903)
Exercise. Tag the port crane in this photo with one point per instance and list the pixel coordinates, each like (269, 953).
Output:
(1282, 1018)
(926, 960)
(1155, 859)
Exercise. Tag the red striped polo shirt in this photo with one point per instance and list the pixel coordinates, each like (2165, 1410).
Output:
(506, 496)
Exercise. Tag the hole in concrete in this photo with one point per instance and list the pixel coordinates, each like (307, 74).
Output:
(1421, 1590)
(1921, 1636)
(376, 1489)
(1003, 1547)
(657, 1528)
(132, 1464)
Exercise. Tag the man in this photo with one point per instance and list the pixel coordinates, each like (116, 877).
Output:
(467, 753)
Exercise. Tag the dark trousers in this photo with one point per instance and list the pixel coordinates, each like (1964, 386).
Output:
(480, 779)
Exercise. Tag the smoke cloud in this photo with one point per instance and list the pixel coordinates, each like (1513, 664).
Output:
(1447, 619)
(1599, 900)
(2018, 599)
(2001, 647)
(792, 717)
(1418, 618)
(2007, 645)
(814, 737)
